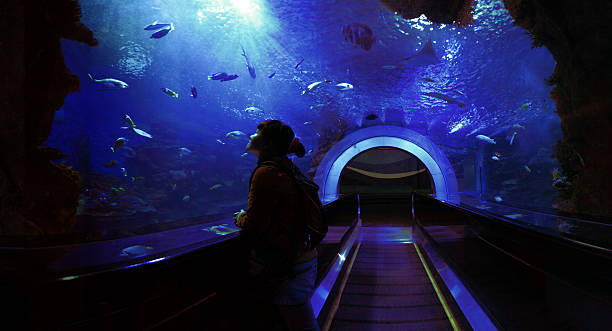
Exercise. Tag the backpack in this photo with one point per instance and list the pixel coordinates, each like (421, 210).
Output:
(315, 217)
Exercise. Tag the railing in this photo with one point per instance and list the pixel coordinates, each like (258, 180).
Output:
(132, 282)
(562, 271)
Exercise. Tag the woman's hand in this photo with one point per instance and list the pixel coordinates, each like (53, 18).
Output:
(239, 218)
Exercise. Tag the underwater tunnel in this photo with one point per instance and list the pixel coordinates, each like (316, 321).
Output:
(329, 171)
(461, 149)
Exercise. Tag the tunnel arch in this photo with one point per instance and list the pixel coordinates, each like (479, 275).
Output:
(423, 148)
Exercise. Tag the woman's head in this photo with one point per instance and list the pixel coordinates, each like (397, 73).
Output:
(274, 138)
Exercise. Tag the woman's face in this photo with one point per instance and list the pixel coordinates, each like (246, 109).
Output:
(254, 145)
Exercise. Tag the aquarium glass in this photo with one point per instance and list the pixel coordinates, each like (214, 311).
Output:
(201, 74)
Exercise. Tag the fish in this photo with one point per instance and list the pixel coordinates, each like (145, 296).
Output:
(216, 186)
(248, 64)
(117, 189)
(514, 216)
(163, 32)
(235, 134)
(371, 117)
(123, 171)
(498, 198)
(359, 35)
(344, 86)
(229, 77)
(426, 56)
(110, 164)
(119, 143)
(129, 120)
(456, 128)
(307, 122)
(137, 178)
(173, 187)
(142, 133)
(156, 26)
(220, 142)
(169, 92)
(446, 98)
(252, 109)
(527, 168)
(272, 74)
(183, 151)
(524, 106)
(315, 85)
(136, 250)
(108, 83)
(518, 126)
(556, 174)
(427, 79)
(244, 154)
(186, 197)
(512, 139)
(297, 65)
(194, 92)
(127, 152)
(485, 139)
(319, 105)
(495, 158)
(458, 92)
(132, 126)
(217, 76)
(388, 67)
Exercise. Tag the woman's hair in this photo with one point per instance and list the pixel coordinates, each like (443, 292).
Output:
(279, 140)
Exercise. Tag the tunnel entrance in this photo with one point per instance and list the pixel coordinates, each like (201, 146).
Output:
(385, 170)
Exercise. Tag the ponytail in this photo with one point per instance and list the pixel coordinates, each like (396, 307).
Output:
(297, 148)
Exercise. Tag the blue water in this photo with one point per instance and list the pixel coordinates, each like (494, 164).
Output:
(489, 66)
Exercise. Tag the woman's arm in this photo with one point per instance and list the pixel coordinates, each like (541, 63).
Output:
(263, 200)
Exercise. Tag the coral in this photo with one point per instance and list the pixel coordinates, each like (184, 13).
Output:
(44, 196)
(441, 11)
(578, 34)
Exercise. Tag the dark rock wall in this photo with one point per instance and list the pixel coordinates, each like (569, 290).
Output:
(36, 196)
(439, 11)
(579, 36)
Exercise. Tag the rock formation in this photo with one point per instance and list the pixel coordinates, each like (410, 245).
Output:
(578, 34)
(36, 196)
(440, 11)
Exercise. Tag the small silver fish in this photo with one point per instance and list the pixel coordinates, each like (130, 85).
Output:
(108, 83)
(235, 134)
(485, 139)
(344, 86)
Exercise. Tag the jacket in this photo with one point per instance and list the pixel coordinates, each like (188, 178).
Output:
(273, 214)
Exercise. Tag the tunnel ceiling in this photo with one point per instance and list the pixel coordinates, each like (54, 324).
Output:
(488, 78)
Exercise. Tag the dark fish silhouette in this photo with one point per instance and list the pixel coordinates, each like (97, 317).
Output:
(194, 92)
(371, 117)
(297, 65)
(217, 76)
(229, 77)
(161, 33)
(272, 75)
(446, 98)
(359, 34)
(426, 56)
(249, 66)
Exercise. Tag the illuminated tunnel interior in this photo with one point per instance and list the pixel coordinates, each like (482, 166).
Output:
(385, 170)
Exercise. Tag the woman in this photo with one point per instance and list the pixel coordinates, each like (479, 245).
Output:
(281, 271)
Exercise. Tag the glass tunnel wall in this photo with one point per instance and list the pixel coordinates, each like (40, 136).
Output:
(480, 95)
